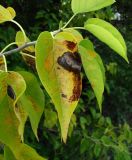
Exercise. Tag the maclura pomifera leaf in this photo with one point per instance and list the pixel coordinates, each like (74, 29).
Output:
(62, 84)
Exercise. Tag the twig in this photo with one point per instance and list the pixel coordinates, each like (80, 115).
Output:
(26, 45)
(19, 48)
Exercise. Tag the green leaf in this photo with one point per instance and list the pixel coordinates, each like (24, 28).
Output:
(32, 100)
(81, 6)
(94, 68)
(8, 155)
(121, 155)
(6, 14)
(85, 145)
(54, 77)
(97, 149)
(108, 34)
(50, 118)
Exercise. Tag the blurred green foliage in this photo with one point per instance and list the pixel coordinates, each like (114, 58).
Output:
(92, 136)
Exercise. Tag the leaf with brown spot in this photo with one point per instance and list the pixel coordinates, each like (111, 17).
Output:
(61, 81)
(9, 117)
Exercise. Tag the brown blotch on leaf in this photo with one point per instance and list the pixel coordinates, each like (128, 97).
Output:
(77, 88)
(71, 45)
(70, 61)
(11, 92)
(63, 95)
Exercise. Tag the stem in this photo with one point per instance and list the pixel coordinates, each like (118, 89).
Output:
(19, 48)
(68, 22)
(1, 53)
(82, 28)
(6, 70)
(7, 47)
(25, 54)
(24, 34)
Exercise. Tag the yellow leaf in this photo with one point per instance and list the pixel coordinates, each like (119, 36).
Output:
(5, 14)
(12, 12)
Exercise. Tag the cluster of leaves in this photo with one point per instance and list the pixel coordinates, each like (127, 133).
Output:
(69, 41)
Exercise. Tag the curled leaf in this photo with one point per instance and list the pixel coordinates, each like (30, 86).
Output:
(6, 14)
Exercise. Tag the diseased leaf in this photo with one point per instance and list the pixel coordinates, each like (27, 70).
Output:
(29, 50)
(8, 118)
(5, 14)
(94, 69)
(2, 64)
(32, 100)
(108, 34)
(58, 75)
(81, 6)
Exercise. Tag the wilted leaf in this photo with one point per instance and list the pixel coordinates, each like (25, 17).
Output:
(62, 82)
(93, 67)
(107, 34)
(2, 64)
(81, 6)
(29, 50)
